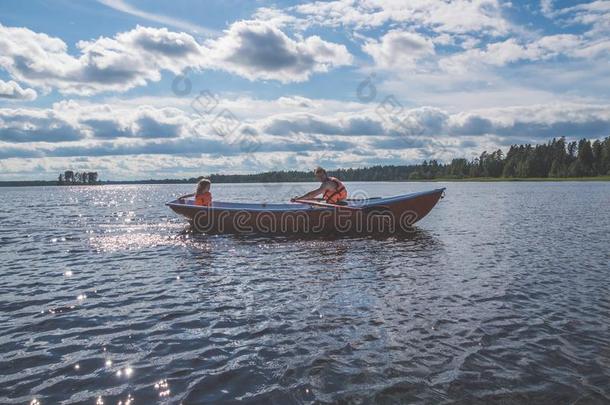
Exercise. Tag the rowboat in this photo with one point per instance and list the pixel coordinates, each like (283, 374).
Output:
(368, 215)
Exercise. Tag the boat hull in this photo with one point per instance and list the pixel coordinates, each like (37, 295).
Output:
(383, 215)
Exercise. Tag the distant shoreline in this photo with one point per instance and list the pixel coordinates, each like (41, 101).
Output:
(45, 183)
(556, 160)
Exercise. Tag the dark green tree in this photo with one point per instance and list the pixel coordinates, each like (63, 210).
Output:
(585, 156)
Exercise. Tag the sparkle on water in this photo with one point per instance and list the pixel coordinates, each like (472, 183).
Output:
(499, 296)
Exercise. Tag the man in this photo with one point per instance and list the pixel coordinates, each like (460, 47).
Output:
(333, 190)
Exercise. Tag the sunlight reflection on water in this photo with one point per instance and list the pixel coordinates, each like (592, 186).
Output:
(499, 296)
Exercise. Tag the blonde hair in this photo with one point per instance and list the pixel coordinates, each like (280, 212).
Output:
(319, 170)
(203, 183)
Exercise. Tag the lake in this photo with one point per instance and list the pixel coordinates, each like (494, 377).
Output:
(500, 295)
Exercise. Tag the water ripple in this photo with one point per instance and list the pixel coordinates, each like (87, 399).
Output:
(500, 296)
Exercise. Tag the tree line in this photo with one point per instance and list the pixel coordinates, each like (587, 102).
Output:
(554, 159)
(70, 177)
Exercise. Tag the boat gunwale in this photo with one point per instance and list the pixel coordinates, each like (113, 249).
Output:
(304, 207)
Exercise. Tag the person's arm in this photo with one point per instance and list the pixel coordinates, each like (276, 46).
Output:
(186, 196)
(312, 194)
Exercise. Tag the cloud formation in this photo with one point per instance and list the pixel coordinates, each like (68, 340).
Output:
(255, 50)
(399, 49)
(512, 50)
(13, 91)
(36, 125)
(308, 123)
(129, 59)
(259, 50)
(594, 14)
(73, 129)
(457, 16)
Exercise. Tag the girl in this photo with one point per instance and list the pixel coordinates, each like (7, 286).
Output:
(202, 195)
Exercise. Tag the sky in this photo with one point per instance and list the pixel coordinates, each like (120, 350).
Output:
(156, 89)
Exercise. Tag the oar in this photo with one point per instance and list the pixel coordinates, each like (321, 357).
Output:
(323, 204)
(349, 199)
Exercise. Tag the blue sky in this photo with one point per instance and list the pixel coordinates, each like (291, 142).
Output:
(136, 89)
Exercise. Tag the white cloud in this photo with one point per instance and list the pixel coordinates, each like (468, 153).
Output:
(308, 123)
(172, 141)
(13, 91)
(127, 60)
(458, 16)
(69, 121)
(546, 6)
(399, 50)
(21, 125)
(259, 50)
(278, 18)
(73, 129)
(255, 50)
(535, 122)
(511, 51)
(595, 14)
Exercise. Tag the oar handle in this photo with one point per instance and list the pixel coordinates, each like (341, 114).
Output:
(324, 204)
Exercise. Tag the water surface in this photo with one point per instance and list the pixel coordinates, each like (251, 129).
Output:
(499, 296)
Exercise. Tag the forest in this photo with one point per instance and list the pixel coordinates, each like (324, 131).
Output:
(554, 159)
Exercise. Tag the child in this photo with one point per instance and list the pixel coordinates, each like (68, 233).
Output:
(202, 195)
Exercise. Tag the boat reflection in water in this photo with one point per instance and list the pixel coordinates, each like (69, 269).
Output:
(366, 216)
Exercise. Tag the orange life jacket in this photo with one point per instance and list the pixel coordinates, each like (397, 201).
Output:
(204, 199)
(336, 195)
